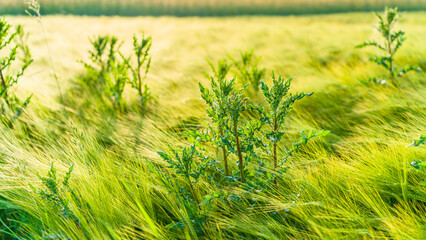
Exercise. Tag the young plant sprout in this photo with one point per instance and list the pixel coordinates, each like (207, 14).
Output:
(215, 100)
(107, 75)
(391, 41)
(280, 104)
(141, 50)
(236, 104)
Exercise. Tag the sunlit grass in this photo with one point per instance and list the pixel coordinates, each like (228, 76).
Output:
(355, 183)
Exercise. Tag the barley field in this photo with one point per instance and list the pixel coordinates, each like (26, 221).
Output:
(79, 163)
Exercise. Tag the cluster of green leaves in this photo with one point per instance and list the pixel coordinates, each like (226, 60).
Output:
(110, 71)
(391, 42)
(417, 163)
(233, 131)
(419, 142)
(11, 105)
(280, 104)
(243, 131)
(57, 193)
(189, 167)
(141, 49)
(249, 70)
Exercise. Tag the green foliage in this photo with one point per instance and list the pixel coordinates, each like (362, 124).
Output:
(417, 163)
(103, 58)
(279, 107)
(141, 51)
(241, 137)
(110, 71)
(21, 40)
(216, 110)
(419, 142)
(11, 105)
(225, 105)
(238, 128)
(391, 42)
(187, 164)
(58, 193)
(107, 74)
(190, 8)
(248, 69)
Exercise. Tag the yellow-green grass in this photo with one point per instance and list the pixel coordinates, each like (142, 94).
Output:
(206, 7)
(355, 183)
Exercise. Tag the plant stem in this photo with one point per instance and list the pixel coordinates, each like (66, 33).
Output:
(390, 59)
(275, 151)
(3, 82)
(225, 158)
(240, 156)
(140, 82)
(193, 193)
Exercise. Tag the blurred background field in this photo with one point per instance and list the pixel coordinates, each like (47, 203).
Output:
(207, 7)
(182, 45)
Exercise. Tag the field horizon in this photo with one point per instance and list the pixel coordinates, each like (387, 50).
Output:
(208, 7)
